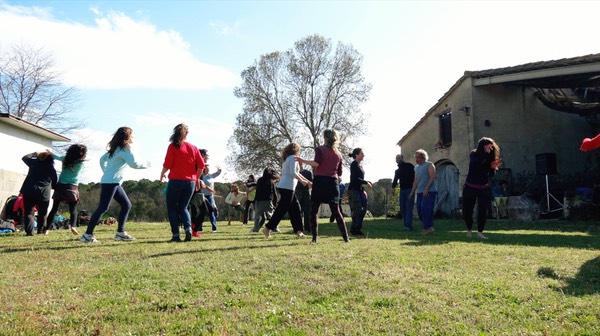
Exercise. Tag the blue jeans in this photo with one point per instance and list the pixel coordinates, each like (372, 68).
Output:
(108, 192)
(179, 194)
(213, 214)
(358, 205)
(406, 208)
(425, 208)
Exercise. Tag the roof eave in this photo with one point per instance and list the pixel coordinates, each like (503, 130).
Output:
(33, 128)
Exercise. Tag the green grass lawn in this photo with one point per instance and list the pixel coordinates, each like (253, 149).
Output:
(529, 278)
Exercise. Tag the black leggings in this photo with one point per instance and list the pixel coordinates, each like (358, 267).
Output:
(335, 210)
(72, 213)
(482, 197)
(287, 203)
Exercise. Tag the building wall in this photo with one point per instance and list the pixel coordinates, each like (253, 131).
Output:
(426, 134)
(516, 119)
(524, 127)
(12, 169)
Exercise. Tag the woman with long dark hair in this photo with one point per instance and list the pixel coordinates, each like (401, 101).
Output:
(483, 164)
(357, 196)
(185, 166)
(113, 163)
(67, 188)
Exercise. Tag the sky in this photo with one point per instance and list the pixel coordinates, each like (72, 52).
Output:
(153, 64)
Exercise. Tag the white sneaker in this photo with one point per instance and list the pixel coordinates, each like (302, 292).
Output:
(123, 236)
(214, 231)
(88, 238)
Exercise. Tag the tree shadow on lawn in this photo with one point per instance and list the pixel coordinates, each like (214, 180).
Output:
(585, 282)
(567, 234)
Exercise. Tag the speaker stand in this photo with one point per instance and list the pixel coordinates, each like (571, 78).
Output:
(547, 196)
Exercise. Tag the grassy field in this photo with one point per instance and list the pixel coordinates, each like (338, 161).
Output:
(529, 278)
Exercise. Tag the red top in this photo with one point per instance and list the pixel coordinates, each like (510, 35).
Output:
(184, 162)
(330, 162)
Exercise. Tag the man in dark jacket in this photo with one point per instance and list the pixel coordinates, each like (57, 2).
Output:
(405, 175)
(37, 189)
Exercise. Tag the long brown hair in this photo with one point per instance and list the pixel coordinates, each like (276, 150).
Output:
(494, 154)
(179, 135)
(75, 154)
(291, 149)
(121, 139)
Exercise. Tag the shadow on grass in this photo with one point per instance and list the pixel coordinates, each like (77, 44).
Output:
(553, 233)
(586, 282)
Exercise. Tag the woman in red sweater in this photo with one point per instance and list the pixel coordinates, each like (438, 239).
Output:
(185, 164)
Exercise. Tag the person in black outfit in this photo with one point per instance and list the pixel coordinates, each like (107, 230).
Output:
(405, 175)
(36, 188)
(303, 196)
(483, 163)
(266, 198)
(357, 197)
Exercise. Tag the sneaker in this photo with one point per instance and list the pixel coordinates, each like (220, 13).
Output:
(175, 240)
(299, 234)
(188, 236)
(277, 230)
(214, 231)
(469, 234)
(428, 231)
(74, 230)
(407, 228)
(481, 236)
(197, 234)
(88, 238)
(357, 233)
(123, 236)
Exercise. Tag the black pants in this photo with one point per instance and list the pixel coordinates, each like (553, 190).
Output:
(482, 197)
(30, 203)
(287, 203)
(335, 209)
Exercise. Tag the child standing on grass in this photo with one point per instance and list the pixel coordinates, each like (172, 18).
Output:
(67, 188)
(113, 164)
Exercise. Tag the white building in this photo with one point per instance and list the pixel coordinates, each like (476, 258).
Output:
(18, 138)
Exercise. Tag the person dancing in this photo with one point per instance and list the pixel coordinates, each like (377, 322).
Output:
(67, 188)
(483, 164)
(327, 166)
(357, 195)
(290, 176)
(113, 164)
(185, 165)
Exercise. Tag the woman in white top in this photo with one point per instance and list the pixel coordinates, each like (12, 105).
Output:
(290, 175)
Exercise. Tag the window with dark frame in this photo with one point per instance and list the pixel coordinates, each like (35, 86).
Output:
(445, 122)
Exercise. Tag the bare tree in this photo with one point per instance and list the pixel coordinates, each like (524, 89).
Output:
(31, 89)
(294, 96)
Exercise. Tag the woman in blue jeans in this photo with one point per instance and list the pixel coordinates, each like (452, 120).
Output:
(425, 187)
(185, 165)
(113, 163)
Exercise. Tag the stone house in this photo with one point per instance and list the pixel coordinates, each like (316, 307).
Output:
(19, 137)
(537, 112)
